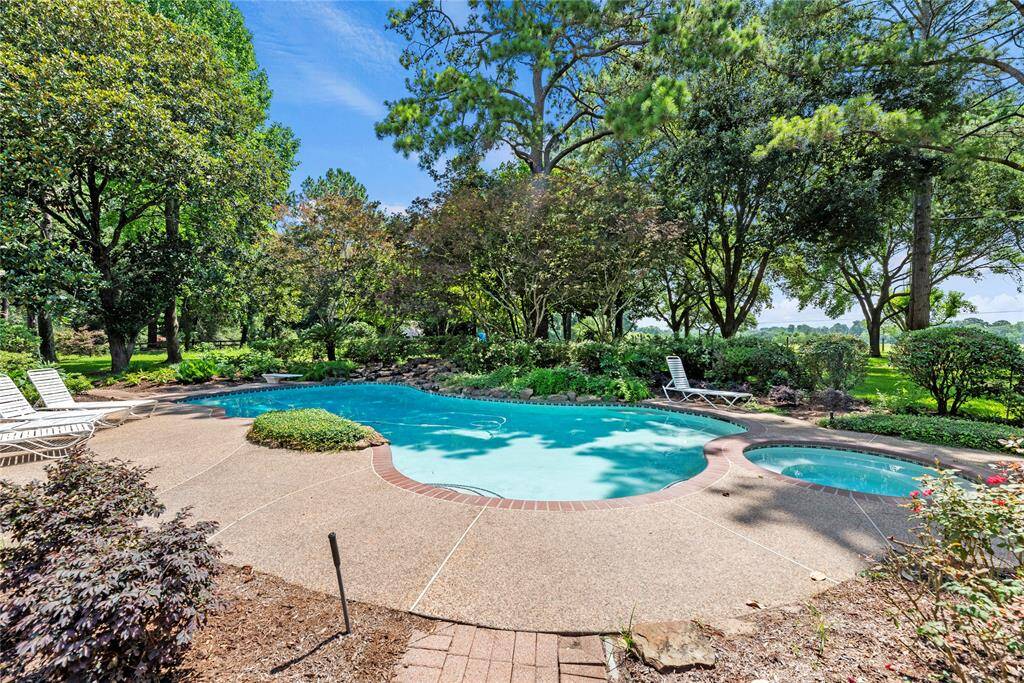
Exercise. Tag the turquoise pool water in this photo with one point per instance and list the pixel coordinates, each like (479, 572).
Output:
(511, 450)
(841, 469)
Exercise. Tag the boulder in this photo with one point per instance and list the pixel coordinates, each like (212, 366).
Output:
(570, 395)
(525, 394)
(558, 398)
(671, 646)
(497, 393)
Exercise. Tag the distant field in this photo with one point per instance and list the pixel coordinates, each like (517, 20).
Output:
(884, 379)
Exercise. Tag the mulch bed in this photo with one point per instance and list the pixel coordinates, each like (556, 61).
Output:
(842, 635)
(268, 629)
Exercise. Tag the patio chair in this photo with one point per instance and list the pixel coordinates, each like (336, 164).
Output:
(681, 384)
(56, 396)
(43, 440)
(14, 407)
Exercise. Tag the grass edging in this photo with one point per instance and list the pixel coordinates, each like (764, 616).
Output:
(311, 429)
(940, 431)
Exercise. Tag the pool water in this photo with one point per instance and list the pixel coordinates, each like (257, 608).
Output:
(841, 469)
(511, 450)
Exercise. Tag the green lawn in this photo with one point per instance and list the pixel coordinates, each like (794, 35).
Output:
(97, 367)
(884, 379)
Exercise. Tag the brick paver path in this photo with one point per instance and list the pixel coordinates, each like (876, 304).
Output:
(453, 653)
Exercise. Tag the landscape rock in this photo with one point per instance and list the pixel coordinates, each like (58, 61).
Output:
(570, 395)
(525, 394)
(558, 398)
(497, 393)
(671, 646)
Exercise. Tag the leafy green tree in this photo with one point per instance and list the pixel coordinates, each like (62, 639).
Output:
(523, 75)
(976, 230)
(332, 253)
(938, 81)
(133, 107)
(218, 220)
(336, 182)
(739, 213)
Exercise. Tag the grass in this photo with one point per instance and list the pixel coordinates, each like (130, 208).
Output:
(98, 367)
(882, 378)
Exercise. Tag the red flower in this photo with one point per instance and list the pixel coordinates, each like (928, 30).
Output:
(999, 501)
(889, 666)
(915, 494)
(995, 480)
(929, 492)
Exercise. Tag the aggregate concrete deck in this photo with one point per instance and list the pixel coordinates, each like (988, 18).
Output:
(748, 536)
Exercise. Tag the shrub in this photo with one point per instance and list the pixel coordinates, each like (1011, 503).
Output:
(289, 347)
(17, 365)
(960, 583)
(89, 593)
(17, 338)
(246, 364)
(759, 362)
(76, 382)
(161, 375)
(320, 371)
(834, 401)
(195, 370)
(785, 395)
(957, 364)
(311, 429)
(942, 431)
(502, 377)
(834, 361)
(81, 342)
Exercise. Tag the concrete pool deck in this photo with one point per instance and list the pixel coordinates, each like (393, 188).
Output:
(745, 536)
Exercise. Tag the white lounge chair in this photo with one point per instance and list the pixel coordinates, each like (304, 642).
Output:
(47, 441)
(14, 407)
(56, 396)
(681, 384)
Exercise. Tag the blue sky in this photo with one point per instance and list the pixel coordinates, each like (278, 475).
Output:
(332, 65)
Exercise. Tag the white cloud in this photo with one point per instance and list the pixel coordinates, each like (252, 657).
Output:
(360, 41)
(327, 87)
(394, 209)
(1002, 306)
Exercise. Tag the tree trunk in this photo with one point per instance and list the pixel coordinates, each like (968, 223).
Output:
(620, 317)
(5, 309)
(152, 334)
(121, 350)
(171, 338)
(874, 324)
(244, 336)
(543, 326)
(566, 326)
(172, 216)
(186, 327)
(30, 318)
(332, 353)
(919, 310)
(687, 323)
(47, 344)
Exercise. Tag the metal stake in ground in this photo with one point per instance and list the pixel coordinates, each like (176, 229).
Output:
(341, 585)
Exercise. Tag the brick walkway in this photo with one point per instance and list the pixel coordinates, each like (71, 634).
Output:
(453, 653)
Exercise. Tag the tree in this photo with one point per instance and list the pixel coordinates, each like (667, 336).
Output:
(134, 108)
(330, 253)
(740, 212)
(524, 75)
(939, 82)
(336, 182)
(976, 229)
(240, 203)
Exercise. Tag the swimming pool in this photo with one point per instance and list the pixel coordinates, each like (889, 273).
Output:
(511, 450)
(841, 469)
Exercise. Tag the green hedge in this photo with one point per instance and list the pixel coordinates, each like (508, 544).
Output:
(311, 429)
(942, 431)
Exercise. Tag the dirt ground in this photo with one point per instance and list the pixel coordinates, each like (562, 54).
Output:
(841, 635)
(268, 629)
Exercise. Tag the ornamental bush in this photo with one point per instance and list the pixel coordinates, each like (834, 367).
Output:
(755, 361)
(81, 342)
(956, 364)
(959, 583)
(17, 338)
(942, 431)
(91, 594)
(196, 370)
(834, 361)
(311, 429)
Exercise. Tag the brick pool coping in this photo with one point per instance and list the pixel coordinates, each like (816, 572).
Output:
(721, 453)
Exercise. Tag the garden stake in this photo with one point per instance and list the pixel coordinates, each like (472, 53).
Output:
(341, 586)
